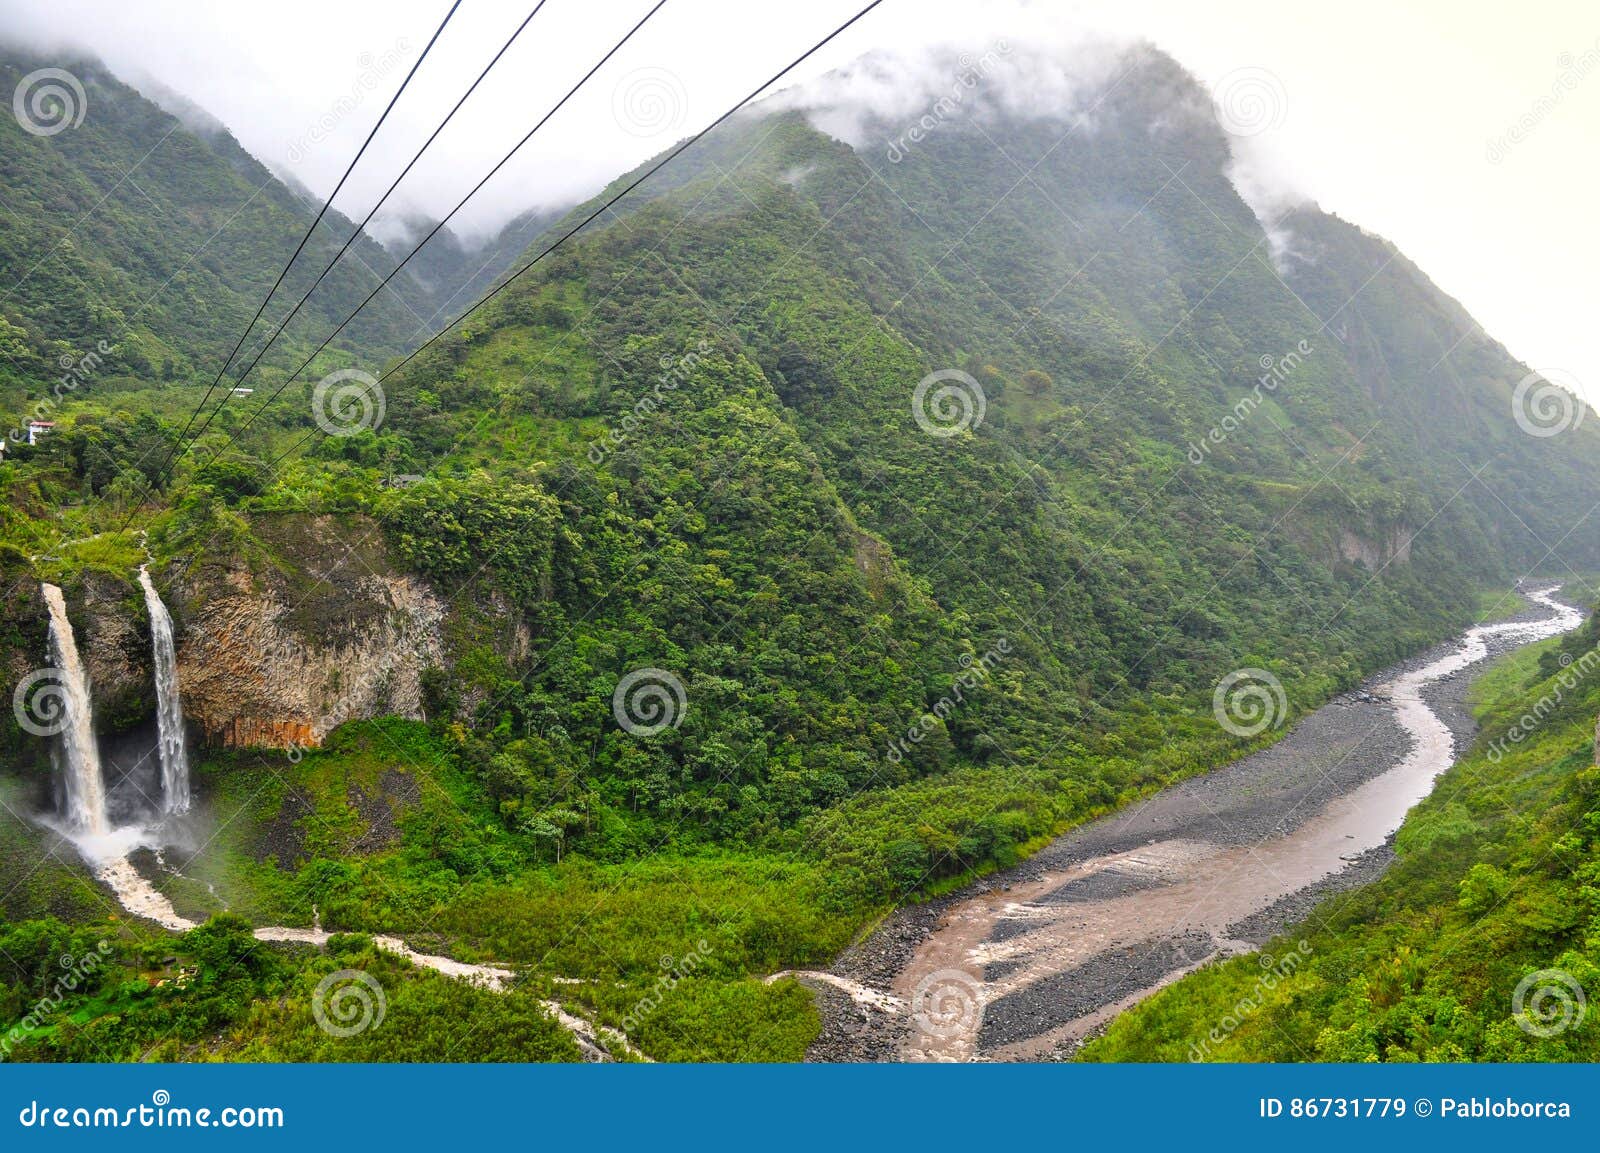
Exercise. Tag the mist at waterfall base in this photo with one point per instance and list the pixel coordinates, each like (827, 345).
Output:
(111, 796)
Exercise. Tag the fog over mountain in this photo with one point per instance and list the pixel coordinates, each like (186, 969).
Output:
(889, 98)
(1355, 128)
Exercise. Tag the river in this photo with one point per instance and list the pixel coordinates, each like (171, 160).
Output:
(1026, 965)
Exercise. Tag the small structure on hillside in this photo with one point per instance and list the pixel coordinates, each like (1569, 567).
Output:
(38, 428)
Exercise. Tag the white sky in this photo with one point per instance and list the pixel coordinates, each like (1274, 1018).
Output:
(1391, 106)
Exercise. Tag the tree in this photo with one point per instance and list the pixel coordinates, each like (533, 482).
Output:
(1037, 382)
(1482, 888)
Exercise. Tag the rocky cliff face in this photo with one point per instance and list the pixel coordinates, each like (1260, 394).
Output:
(1377, 550)
(311, 625)
(114, 638)
(277, 656)
(251, 678)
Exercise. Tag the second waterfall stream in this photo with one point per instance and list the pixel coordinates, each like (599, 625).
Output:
(169, 703)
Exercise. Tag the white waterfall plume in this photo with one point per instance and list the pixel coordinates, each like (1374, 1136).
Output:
(169, 703)
(79, 755)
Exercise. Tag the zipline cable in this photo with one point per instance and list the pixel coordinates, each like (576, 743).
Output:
(304, 240)
(385, 281)
(360, 228)
(779, 75)
(660, 164)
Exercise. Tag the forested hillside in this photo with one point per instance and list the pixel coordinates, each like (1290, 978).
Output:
(899, 626)
(138, 245)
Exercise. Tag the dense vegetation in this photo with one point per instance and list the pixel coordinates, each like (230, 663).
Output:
(687, 442)
(227, 996)
(137, 246)
(100, 217)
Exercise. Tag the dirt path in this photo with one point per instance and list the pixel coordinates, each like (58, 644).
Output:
(138, 896)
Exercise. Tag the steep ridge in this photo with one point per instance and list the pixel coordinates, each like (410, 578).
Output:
(1072, 518)
(134, 232)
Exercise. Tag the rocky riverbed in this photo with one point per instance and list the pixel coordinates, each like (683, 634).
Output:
(1027, 963)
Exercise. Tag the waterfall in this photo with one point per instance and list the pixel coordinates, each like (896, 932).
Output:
(169, 703)
(85, 788)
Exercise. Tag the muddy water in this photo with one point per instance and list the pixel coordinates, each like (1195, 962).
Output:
(1014, 974)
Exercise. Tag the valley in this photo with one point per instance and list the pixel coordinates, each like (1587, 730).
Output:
(1035, 960)
(1002, 572)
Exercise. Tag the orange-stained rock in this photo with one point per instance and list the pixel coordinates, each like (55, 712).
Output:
(278, 656)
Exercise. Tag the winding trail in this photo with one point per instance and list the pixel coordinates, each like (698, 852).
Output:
(1026, 966)
(138, 896)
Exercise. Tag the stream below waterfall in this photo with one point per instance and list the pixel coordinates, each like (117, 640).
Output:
(138, 896)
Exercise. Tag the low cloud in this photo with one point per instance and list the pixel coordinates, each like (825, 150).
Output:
(1045, 69)
(273, 88)
(1052, 73)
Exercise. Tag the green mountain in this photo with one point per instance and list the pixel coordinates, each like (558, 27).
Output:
(134, 232)
(922, 493)
(792, 307)
(447, 276)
